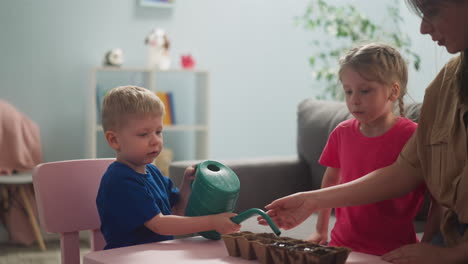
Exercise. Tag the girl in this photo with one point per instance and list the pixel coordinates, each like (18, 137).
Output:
(436, 154)
(374, 78)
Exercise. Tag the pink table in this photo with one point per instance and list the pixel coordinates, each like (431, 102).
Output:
(187, 250)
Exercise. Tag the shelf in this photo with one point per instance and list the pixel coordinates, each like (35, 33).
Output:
(142, 69)
(158, 4)
(175, 128)
(188, 137)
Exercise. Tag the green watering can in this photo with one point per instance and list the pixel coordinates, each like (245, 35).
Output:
(215, 190)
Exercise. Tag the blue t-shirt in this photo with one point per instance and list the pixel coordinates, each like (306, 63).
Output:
(127, 199)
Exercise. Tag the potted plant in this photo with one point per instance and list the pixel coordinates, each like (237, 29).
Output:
(346, 27)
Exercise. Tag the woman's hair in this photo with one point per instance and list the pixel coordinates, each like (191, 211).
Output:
(419, 6)
(122, 101)
(380, 63)
(463, 77)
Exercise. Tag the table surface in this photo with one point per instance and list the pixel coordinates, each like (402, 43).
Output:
(188, 250)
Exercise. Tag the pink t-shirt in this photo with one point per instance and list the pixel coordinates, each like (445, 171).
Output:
(380, 227)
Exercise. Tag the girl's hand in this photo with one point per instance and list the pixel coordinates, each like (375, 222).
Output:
(224, 225)
(419, 253)
(319, 238)
(290, 211)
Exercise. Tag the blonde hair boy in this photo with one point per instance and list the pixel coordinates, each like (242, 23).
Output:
(123, 101)
(136, 203)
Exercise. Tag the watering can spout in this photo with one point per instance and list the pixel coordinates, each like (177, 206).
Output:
(215, 190)
(247, 214)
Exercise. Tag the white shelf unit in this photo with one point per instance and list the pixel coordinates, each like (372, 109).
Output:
(188, 137)
(158, 4)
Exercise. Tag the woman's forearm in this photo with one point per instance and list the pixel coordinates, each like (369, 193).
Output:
(385, 183)
(458, 254)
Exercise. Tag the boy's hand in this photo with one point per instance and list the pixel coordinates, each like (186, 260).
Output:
(189, 175)
(184, 191)
(223, 224)
(318, 238)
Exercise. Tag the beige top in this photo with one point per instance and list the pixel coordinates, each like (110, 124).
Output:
(438, 149)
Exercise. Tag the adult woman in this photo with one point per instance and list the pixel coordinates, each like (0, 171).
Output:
(437, 153)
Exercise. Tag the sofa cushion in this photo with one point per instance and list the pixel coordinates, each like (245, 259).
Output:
(316, 119)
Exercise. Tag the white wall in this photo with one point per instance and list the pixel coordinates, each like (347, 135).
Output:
(256, 55)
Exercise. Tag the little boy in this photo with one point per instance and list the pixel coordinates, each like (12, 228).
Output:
(136, 203)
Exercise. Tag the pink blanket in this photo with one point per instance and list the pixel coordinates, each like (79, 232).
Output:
(20, 150)
(20, 142)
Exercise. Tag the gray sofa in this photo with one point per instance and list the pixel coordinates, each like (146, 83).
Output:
(265, 179)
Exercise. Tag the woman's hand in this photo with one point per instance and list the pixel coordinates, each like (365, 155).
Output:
(290, 211)
(420, 253)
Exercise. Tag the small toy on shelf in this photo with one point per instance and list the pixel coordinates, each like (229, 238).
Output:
(114, 57)
(158, 49)
(187, 62)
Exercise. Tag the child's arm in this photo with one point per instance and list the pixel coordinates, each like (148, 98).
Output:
(184, 191)
(432, 226)
(330, 178)
(181, 225)
(178, 224)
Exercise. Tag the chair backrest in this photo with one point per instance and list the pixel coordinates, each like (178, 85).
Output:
(66, 200)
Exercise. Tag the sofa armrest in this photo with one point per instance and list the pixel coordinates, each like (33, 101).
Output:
(262, 179)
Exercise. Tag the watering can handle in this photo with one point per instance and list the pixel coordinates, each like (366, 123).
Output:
(247, 214)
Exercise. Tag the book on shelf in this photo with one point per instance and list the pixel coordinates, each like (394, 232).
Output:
(101, 92)
(170, 97)
(168, 100)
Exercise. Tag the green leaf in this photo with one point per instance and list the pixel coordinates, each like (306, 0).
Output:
(319, 76)
(346, 26)
(311, 61)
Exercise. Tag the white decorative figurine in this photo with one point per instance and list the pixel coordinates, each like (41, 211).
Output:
(158, 49)
(114, 57)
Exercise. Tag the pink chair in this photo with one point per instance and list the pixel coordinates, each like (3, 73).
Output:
(66, 201)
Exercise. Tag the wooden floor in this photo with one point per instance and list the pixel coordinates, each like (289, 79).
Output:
(18, 254)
